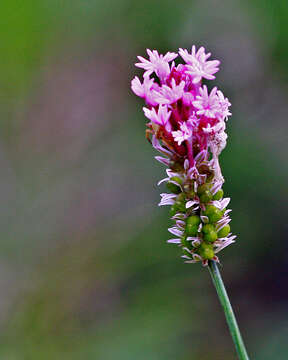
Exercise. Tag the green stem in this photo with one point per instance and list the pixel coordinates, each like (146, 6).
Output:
(229, 314)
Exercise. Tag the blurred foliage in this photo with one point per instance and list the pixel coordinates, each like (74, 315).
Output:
(85, 270)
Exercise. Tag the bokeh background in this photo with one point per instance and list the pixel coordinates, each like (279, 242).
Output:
(85, 272)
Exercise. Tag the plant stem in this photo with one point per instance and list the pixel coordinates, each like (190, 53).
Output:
(229, 314)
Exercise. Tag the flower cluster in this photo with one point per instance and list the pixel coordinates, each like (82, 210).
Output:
(186, 124)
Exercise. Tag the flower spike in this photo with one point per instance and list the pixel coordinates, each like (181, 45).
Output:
(186, 124)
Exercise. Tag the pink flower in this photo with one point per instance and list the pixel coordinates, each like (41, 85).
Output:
(161, 118)
(207, 105)
(144, 90)
(169, 95)
(218, 142)
(223, 106)
(186, 130)
(157, 63)
(197, 64)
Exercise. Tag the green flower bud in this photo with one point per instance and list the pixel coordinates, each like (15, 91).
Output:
(191, 230)
(173, 188)
(193, 220)
(218, 195)
(208, 228)
(209, 233)
(206, 251)
(224, 231)
(205, 197)
(202, 188)
(210, 237)
(213, 213)
(177, 179)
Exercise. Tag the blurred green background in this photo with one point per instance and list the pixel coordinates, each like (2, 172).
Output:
(85, 272)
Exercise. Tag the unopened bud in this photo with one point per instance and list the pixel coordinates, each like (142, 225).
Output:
(205, 197)
(173, 187)
(218, 195)
(193, 220)
(206, 251)
(202, 188)
(191, 230)
(209, 233)
(213, 213)
(224, 231)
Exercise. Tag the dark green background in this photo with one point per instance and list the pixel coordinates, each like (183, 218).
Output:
(85, 272)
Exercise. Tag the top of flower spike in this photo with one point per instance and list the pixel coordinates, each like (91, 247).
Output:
(186, 116)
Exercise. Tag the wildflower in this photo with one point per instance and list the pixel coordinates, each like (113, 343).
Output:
(169, 94)
(160, 118)
(186, 130)
(144, 90)
(156, 63)
(207, 104)
(187, 126)
(197, 64)
(223, 105)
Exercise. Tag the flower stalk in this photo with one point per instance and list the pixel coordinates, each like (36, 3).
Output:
(186, 125)
(228, 311)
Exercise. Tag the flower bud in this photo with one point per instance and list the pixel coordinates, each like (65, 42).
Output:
(177, 179)
(224, 231)
(209, 233)
(192, 224)
(193, 220)
(173, 187)
(206, 251)
(191, 230)
(218, 195)
(208, 228)
(213, 213)
(202, 188)
(205, 197)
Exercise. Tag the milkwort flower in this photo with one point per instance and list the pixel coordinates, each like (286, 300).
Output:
(186, 124)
